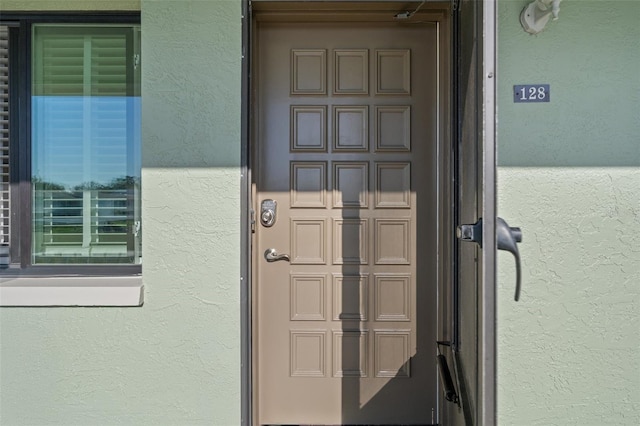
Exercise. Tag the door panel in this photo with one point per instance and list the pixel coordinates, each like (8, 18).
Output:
(347, 131)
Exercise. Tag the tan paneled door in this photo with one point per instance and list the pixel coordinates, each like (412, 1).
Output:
(346, 126)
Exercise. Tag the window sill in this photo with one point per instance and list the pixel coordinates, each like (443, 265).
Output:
(71, 291)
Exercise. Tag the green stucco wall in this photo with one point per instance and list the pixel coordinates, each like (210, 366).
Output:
(175, 360)
(569, 175)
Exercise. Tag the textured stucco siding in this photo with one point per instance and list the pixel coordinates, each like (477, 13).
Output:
(569, 351)
(175, 360)
(569, 175)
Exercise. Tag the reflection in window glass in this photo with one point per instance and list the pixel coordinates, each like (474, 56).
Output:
(85, 133)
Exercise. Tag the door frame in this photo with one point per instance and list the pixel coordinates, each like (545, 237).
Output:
(487, 364)
(446, 267)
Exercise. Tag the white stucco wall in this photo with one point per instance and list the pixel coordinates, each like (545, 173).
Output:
(569, 175)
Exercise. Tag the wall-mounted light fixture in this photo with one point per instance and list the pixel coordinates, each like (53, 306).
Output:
(535, 16)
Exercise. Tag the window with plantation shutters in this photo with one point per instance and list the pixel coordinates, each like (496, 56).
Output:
(5, 206)
(85, 126)
(70, 226)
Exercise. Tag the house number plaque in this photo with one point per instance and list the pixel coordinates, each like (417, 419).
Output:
(531, 93)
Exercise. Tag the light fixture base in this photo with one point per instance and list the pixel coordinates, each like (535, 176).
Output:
(536, 15)
(532, 20)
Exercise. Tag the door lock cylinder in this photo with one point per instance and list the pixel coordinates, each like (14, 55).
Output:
(268, 211)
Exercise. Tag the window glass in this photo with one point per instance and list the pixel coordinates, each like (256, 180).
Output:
(85, 144)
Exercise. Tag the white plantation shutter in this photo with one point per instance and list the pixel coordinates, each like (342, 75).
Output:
(83, 151)
(5, 206)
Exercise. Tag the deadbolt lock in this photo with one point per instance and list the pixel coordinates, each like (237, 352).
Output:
(268, 210)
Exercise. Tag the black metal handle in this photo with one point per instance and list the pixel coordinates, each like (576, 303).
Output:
(507, 238)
